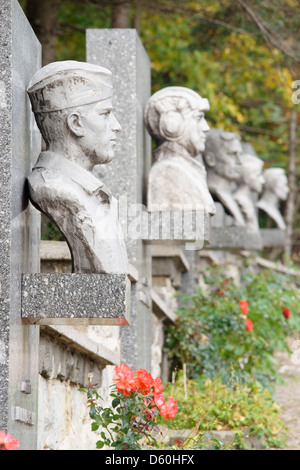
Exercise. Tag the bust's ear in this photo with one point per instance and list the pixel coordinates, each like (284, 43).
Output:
(74, 123)
(210, 159)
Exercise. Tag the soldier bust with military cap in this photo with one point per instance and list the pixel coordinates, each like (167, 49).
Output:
(72, 104)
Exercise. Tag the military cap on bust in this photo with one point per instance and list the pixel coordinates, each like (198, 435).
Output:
(68, 84)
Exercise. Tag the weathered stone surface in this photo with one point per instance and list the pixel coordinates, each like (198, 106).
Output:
(99, 345)
(121, 51)
(175, 226)
(56, 257)
(275, 190)
(63, 416)
(96, 299)
(174, 117)
(63, 359)
(72, 104)
(20, 57)
(272, 237)
(169, 261)
(234, 238)
(252, 185)
(225, 235)
(222, 158)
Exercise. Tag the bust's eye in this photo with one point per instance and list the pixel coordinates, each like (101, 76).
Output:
(199, 116)
(105, 112)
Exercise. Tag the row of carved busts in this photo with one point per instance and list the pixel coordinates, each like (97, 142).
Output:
(193, 165)
(72, 104)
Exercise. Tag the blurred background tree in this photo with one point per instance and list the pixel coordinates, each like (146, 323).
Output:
(242, 56)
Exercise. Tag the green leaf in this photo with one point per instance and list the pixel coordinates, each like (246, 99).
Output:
(115, 402)
(99, 444)
(94, 426)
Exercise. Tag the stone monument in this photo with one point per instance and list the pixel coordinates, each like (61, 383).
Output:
(177, 182)
(275, 190)
(174, 117)
(72, 104)
(121, 51)
(20, 58)
(96, 292)
(253, 182)
(222, 156)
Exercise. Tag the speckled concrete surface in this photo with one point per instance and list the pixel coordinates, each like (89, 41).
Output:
(97, 298)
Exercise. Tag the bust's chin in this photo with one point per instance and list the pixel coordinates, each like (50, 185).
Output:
(103, 159)
(197, 149)
(109, 158)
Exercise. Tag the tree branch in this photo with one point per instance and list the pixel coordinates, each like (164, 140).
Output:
(272, 39)
(290, 204)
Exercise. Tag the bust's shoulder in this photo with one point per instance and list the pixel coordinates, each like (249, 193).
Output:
(48, 188)
(42, 179)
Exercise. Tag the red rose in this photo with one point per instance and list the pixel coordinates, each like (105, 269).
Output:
(143, 381)
(249, 325)
(125, 380)
(169, 410)
(157, 385)
(158, 400)
(244, 306)
(286, 312)
(8, 442)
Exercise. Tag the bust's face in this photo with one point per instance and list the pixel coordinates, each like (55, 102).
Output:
(195, 132)
(100, 128)
(256, 181)
(254, 177)
(228, 160)
(281, 188)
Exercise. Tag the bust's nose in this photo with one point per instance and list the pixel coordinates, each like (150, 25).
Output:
(116, 127)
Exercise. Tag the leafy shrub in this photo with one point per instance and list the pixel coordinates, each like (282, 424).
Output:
(209, 404)
(214, 335)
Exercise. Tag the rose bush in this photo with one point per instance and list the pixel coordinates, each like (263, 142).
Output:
(137, 401)
(226, 326)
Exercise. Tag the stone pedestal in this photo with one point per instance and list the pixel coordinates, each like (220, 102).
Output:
(225, 236)
(20, 57)
(76, 299)
(272, 237)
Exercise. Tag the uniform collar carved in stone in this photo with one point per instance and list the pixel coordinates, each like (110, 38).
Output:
(85, 179)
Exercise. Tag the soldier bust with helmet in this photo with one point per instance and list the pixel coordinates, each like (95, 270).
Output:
(174, 117)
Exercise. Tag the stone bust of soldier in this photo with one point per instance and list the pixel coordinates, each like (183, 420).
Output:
(222, 157)
(252, 183)
(275, 190)
(72, 104)
(174, 117)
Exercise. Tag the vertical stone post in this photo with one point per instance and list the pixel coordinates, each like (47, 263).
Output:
(20, 57)
(121, 51)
